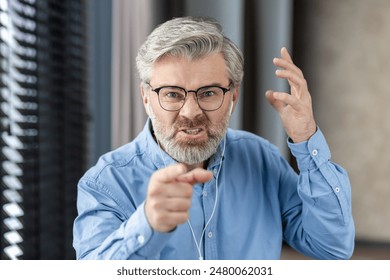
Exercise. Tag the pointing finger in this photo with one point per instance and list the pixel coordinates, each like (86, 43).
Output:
(170, 173)
(197, 175)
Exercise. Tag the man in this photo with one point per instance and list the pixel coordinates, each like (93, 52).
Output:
(187, 187)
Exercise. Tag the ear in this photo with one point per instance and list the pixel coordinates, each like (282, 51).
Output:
(235, 98)
(145, 98)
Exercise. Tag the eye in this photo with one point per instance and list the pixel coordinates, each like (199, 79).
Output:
(174, 95)
(171, 94)
(206, 94)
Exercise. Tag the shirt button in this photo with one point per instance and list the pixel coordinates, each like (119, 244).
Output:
(204, 193)
(314, 152)
(141, 239)
(210, 234)
(336, 189)
(215, 171)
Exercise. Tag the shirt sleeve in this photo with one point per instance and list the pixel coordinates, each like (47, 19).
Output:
(325, 228)
(99, 214)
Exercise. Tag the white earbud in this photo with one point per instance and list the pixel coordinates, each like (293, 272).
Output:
(148, 106)
(150, 111)
(231, 108)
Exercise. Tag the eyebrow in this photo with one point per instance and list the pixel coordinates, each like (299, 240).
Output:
(216, 84)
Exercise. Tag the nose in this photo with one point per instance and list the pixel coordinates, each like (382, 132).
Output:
(190, 108)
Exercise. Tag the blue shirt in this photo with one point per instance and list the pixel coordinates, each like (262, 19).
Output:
(261, 202)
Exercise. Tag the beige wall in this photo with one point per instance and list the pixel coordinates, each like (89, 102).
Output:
(343, 47)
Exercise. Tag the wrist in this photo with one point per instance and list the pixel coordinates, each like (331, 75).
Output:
(304, 137)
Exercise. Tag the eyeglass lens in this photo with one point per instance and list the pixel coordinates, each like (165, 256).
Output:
(173, 98)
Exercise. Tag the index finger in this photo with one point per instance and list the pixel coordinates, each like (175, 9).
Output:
(170, 173)
(197, 175)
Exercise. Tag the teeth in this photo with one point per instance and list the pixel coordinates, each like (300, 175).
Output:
(192, 131)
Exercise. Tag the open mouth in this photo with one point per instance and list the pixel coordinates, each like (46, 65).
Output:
(192, 131)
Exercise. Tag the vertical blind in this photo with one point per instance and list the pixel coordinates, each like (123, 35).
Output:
(43, 125)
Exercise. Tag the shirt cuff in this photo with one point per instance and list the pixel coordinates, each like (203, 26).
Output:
(312, 153)
(146, 242)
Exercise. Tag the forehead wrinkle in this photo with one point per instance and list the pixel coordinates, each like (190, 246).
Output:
(190, 74)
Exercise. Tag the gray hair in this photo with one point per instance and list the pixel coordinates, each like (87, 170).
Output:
(190, 37)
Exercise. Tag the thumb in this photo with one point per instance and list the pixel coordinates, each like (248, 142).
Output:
(276, 103)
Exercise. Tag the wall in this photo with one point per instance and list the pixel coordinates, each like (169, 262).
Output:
(343, 48)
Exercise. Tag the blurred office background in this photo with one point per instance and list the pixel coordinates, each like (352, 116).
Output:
(70, 92)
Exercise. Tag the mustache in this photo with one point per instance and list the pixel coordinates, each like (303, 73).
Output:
(200, 120)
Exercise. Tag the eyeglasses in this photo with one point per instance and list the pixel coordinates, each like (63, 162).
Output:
(209, 98)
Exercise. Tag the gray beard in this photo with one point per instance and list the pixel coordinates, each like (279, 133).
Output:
(190, 153)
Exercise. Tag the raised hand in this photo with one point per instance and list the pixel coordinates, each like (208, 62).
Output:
(169, 195)
(295, 109)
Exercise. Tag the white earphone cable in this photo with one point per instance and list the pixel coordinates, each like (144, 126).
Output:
(198, 245)
(214, 207)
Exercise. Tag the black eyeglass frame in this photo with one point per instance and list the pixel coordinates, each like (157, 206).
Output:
(224, 91)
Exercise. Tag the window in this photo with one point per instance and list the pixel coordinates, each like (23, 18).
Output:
(43, 121)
